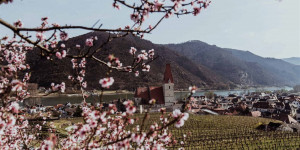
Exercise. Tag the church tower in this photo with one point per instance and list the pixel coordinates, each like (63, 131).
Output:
(168, 86)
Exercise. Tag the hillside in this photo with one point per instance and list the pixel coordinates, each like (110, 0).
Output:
(240, 67)
(293, 60)
(286, 72)
(185, 72)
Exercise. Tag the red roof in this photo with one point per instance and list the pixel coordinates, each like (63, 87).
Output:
(148, 93)
(168, 74)
(142, 92)
(157, 94)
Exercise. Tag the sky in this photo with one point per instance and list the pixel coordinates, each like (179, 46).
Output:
(269, 28)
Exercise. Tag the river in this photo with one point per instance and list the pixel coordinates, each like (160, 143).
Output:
(74, 99)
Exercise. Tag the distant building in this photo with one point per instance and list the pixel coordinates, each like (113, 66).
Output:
(163, 95)
(262, 107)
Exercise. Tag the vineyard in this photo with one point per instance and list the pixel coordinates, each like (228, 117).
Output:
(221, 132)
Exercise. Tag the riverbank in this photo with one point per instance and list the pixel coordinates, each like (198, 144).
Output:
(271, 88)
(109, 96)
(78, 93)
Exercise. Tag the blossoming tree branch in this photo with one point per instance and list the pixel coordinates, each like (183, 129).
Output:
(107, 129)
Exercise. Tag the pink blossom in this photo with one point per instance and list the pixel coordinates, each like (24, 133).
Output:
(128, 69)
(82, 63)
(63, 36)
(185, 116)
(58, 55)
(17, 85)
(115, 5)
(150, 27)
(151, 53)
(111, 57)
(127, 27)
(162, 110)
(79, 78)
(136, 73)
(142, 57)
(18, 24)
(134, 17)
(82, 72)
(157, 5)
(84, 84)
(177, 5)
(106, 82)
(176, 113)
(146, 67)
(128, 103)
(179, 123)
(53, 44)
(14, 107)
(63, 54)
(130, 109)
(193, 89)
(168, 14)
(182, 117)
(11, 121)
(40, 36)
(70, 77)
(89, 42)
(132, 50)
(131, 121)
(196, 11)
(63, 87)
(44, 19)
(55, 25)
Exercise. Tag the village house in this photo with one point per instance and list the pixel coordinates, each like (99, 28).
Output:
(225, 104)
(279, 106)
(263, 106)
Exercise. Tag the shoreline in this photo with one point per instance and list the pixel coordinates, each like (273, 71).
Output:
(122, 92)
(237, 89)
(39, 95)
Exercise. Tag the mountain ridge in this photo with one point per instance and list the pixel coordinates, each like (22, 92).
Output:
(292, 60)
(184, 71)
(240, 67)
(193, 63)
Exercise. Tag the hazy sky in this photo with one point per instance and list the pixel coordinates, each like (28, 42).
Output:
(267, 28)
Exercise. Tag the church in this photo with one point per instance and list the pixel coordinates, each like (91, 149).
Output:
(164, 95)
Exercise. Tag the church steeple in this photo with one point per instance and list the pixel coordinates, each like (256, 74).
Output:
(168, 78)
(168, 87)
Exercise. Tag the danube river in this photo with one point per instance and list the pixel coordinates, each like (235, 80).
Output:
(62, 99)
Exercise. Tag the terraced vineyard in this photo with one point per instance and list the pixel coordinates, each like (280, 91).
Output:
(225, 132)
(230, 132)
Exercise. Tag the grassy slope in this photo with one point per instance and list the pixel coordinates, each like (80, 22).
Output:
(222, 132)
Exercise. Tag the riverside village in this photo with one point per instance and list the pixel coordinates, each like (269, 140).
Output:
(279, 105)
(149, 75)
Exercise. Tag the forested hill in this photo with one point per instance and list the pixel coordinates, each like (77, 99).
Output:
(185, 71)
(240, 67)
